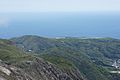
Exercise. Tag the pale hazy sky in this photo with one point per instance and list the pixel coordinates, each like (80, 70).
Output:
(58, 5)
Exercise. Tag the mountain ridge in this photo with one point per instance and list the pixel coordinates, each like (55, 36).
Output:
(18, 65)
(68, 58)
(96, 53)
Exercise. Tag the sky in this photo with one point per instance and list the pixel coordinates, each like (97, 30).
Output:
(99, 18)
(58, 5)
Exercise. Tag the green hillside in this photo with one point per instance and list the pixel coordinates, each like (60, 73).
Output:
(18, 65)
(91, 56)
(10, 53)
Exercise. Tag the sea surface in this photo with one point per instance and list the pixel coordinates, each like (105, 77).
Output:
(60, 24)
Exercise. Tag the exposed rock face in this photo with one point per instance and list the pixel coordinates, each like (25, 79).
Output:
(35, 70)
(5, 70)
(1, 78)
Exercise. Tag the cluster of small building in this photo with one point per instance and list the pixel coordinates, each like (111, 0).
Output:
(116, 64)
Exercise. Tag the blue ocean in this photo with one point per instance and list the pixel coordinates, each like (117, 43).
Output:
(60, 24)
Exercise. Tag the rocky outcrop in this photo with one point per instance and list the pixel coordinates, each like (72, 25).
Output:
(37, 69)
